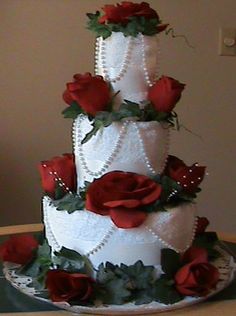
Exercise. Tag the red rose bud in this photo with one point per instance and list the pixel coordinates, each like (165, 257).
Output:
(91, 93)
(122, 196)
(65, 287)
(18, 249)
(197, 277)
(165, 93)
(202, 223)
(188, 177)
(122, 13)
(58, 171)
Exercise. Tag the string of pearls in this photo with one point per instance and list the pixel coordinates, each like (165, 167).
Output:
(166, 153)
(58, 179)
(111, 157)
(55, 245)
(166, 244)
(50, 235)
(102, 243)
(101, 54)
(145, 157)
(148, 80)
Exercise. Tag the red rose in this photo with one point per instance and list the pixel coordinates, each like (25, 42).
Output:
(91, 93)
(64, 286)
(188, 177)
(198, 276)
(18, 249)
(58, 171)
(165, 93)
(122, 195)
(121, 13)
(202, 223)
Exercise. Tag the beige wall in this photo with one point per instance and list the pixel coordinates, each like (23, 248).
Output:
(44, 42)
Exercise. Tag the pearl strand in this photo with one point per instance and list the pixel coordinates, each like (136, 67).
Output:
(149, 82)
(112, 156)
(166, 244)
(58, 179)
(102, 242)
(100, 53)
(166, 153)
(145, 157)
(55, 245)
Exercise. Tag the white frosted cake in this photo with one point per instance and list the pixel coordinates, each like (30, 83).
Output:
(120, 198)
(128, 145)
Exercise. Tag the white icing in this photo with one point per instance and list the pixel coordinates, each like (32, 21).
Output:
(140, 147)
(95, 235)
(133, 60)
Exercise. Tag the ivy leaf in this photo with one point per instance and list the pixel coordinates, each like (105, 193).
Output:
(128, 109)
(97, 125)
(70, 203)
(164, 291)
(139, 275)
(72, 261)
(170, 262)
(143, 297)
(59, 192)
(115, 292)
(72, 111)
(39, 266)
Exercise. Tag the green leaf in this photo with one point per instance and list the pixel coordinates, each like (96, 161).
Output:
(72, 261)
(70, 203)
(135, 26)
(138, 274)
(115, 292)
(164, 291)
(39, 266)
(59, 191)
(143, 297)
(72, 111)
(170, 262)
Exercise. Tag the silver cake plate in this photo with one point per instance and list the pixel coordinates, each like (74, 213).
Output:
(225, 264)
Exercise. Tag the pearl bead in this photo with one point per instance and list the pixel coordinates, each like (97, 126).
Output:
(79, 147)
(100, 51)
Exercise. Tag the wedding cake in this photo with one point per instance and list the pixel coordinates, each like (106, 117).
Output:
(120, 203)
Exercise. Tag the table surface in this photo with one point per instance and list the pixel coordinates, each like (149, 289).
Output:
(216, 308)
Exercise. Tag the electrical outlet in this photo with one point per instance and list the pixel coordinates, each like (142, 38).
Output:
(227, 41)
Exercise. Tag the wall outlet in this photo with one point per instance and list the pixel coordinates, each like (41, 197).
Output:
(227, 41)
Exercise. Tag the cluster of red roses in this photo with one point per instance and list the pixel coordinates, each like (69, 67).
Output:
(123, 12)
(92, 93)
(196, 276)
(120, 195)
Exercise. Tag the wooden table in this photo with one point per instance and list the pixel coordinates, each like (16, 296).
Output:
(218, 308)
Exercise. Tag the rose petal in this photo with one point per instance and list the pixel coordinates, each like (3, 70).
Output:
(126, 218)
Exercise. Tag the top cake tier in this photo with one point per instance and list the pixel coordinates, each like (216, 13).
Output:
(130, 64)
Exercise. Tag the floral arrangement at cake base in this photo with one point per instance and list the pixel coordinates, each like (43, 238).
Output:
(67, 276)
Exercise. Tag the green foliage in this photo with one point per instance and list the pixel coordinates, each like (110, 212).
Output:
(170, 262)
(71, 261)
(119, 284)
(164, 291)
(59, 192)
(39, 266)
(135, 26)
(72, 111)
(70, 203)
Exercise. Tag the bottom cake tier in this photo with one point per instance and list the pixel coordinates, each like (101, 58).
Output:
(96, 236)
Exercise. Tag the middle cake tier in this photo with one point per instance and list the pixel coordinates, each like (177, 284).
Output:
(140, 147)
